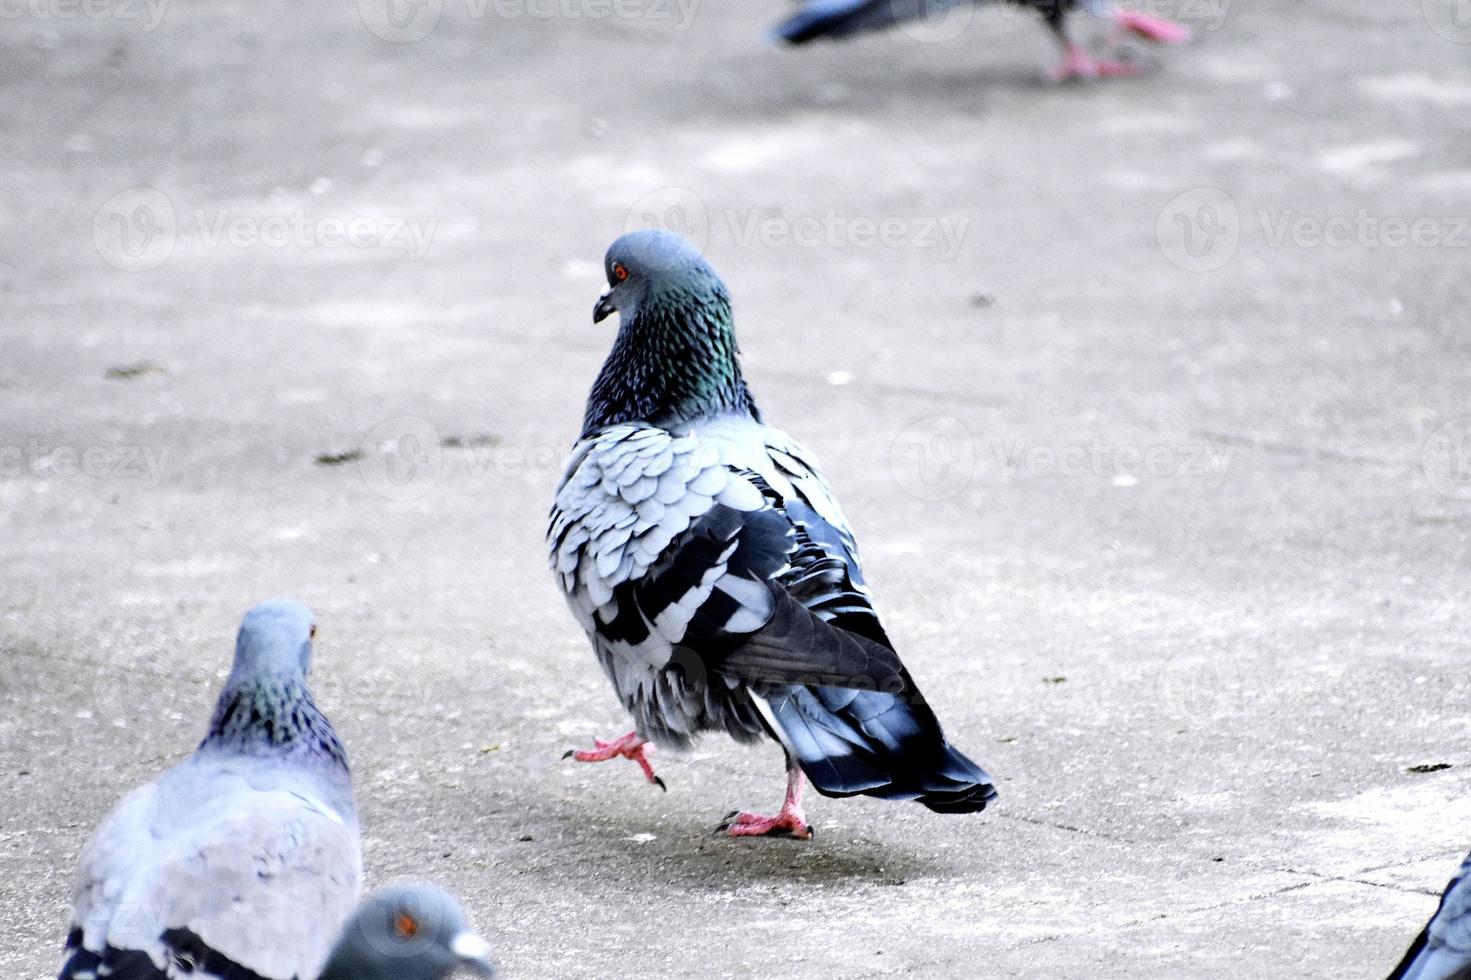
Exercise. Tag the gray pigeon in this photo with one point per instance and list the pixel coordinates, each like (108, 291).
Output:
(409, 932)
(242, 861)
(840, 18)
(1442, 951)
(715, 574)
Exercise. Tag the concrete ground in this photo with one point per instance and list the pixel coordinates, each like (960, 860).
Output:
(1148, 400)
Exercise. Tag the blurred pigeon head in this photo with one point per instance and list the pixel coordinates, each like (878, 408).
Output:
(275, 638)
(645, 264)
(408, 932)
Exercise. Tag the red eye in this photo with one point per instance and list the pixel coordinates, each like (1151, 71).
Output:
(619, 271)
(405, 925)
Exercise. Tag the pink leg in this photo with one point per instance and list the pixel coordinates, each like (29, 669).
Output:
(789, 820)
(628, 746)
(1153, 28)
(1078, 63)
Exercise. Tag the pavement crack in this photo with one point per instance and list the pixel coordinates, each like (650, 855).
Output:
(1039, 822)
(1307, 452)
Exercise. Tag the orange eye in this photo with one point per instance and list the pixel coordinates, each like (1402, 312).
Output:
(405, 925)
(619, 271)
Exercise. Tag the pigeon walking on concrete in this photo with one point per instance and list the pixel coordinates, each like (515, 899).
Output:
(408, 932)
(1442, 951)
(715, 574)
(840, 18)
(242, 861)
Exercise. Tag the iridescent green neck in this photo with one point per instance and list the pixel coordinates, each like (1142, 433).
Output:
(675, 360)
(273, 716)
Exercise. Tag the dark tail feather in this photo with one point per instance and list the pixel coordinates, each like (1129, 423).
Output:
(1427, 961)
(852, 742)
(1402, 971)
(839, 18)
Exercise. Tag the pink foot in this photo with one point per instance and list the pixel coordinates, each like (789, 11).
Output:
(628, 746)
(790, 820)
(1078, 63)
(1154, 28)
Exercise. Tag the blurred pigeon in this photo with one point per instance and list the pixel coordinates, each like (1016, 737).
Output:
(243, 860)
(839, 18)
(1442, 951)
(714, 572)
(410, 932)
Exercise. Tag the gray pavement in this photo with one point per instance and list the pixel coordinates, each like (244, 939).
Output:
(1159, 460)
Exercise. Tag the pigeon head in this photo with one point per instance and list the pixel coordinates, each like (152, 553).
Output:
(643, 264)
(275, 638)
(675, 358)
(265, 707)
(408, 932)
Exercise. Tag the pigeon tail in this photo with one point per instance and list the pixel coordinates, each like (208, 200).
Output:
(873, 743)
(840, 18)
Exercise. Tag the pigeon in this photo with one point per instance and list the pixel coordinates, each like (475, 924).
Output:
(705, 557)
(840, 18)
(242, 861)
(409, 932)
(1442, 951)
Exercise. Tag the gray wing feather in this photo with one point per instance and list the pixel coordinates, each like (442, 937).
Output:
(256, 864)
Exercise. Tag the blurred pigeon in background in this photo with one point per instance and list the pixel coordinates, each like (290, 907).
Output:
(243, 860)
(840, 18)
(1442, 951)
(714, 572)
(408, 932)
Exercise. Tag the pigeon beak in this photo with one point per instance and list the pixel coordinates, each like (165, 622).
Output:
(473, 953)
(604, 309)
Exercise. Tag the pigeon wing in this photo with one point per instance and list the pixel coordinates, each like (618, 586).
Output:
(1442, 951)
(664, 548)
(208, 876)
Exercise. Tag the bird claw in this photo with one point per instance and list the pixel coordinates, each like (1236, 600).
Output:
(568, 754)
(657, 781)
